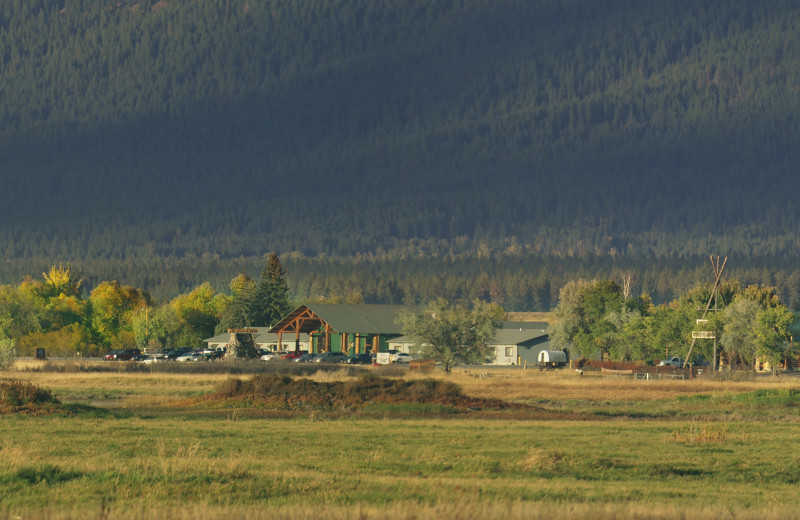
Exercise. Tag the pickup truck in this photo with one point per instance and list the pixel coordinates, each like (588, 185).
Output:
(672, 362)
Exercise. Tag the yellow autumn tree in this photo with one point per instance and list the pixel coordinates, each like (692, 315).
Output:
(61, 279)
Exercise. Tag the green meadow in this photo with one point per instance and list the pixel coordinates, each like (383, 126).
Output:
(735, 452)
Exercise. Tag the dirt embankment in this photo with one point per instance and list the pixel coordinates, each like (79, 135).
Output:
(284, 392)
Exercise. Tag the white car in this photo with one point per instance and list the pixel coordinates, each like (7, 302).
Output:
(272, 356)
(192, 356)
(402, 357)
(155, 358)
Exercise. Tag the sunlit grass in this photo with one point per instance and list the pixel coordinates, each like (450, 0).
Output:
(566, 385)
(165, 463)
(463, 508)
(643, 449)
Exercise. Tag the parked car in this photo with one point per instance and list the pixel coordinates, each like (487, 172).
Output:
(158, 357)
(331, 357)
(305, 358)
(211, 353)
(672, 362)
(272, 356)
(402, 357)
(175, 353)
(191, 357)
(125, 354)
(112, 356)
(294, 354)
(360, 359)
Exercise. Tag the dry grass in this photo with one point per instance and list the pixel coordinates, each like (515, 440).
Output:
(337, 376)
(548, 317)
(700, 434)
(567, 385)
(217, 467)
(545, 460)
(123, 389)
(141, 389)
(409, 510)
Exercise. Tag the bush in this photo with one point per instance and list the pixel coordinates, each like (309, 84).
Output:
(18, 393)
(8, 353)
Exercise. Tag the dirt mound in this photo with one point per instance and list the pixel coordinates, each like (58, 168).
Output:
(286, 393)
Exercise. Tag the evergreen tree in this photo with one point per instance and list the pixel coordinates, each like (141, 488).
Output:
(272, 294)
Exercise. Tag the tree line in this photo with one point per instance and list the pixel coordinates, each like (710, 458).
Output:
(165, 129)
(752, 327)
(516, 280)
(594, 318)
(57, 312)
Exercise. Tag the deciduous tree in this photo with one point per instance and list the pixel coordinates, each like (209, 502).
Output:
(198, 312)
(454, 333)
(112, 307)
(239, 311)
(8, 352)
(738, 335)
(773, 329)
(588, 316)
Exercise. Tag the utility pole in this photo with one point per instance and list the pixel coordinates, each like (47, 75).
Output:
(703, 334)
(718, 274)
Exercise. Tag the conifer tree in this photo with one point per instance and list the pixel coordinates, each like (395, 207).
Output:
(272, 294)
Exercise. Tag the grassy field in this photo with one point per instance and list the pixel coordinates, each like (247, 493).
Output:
(589, 447)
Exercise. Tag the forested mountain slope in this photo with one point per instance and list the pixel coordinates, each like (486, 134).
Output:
(540, 127)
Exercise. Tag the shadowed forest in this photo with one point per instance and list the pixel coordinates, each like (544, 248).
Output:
(394, 152)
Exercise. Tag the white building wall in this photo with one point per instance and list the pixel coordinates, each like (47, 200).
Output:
(286, 345)
(505, 355)
(400, 347)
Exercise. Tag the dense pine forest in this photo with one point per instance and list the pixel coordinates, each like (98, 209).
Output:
(397, 151)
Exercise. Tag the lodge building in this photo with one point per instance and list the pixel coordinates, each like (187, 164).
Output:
(371, 328)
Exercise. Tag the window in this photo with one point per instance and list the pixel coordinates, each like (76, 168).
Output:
(509, 351)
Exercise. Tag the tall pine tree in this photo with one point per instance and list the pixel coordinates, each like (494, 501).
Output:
(272, 294)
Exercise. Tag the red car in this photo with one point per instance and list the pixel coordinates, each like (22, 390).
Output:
(125, 354)
(294, 354)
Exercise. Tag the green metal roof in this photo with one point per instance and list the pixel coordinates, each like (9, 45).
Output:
(515, 337)
(366, 318)
(347, 318)
(502, 336)
(525, 325)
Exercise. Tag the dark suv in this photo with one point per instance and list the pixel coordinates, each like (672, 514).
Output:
(360, 359)
(330, 357)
